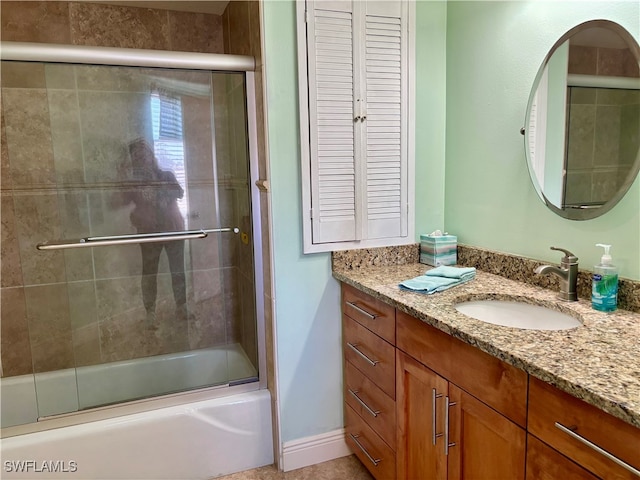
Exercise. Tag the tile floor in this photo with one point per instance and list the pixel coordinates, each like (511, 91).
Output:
(345, 468)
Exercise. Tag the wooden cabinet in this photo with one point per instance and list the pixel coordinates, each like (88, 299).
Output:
(421, 404)
(602, 444)
(445, 432)
(369, 381)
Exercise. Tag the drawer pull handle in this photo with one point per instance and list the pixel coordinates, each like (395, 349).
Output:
(434, 396)
(362, 311)
(598, 449)
(364, 450)
(353, 347)
(367, 408)
(447, 405)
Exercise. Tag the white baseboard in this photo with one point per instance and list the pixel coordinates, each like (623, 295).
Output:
(316, 449)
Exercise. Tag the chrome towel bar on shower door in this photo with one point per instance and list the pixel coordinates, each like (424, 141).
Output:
(132, 238)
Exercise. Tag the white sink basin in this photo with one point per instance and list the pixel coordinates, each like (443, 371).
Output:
(517, 315)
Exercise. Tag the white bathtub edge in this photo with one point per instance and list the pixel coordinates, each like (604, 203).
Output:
(216, 429)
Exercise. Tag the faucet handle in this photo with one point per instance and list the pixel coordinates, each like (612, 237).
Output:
(568, 256)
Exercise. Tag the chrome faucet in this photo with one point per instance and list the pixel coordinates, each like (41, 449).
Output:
(567, 272)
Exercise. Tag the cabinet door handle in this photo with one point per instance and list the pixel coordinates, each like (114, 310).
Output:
(361, 402)
(372, 316)
(375, 461)
(447, 404)
(598, 449)
(434, 395)
(353, 347)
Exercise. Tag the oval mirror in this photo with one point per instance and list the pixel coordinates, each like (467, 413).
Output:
(582, 126)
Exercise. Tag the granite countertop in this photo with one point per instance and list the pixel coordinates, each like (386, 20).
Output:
(598, 362)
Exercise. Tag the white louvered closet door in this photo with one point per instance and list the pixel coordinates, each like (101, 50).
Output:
(358, 110)
(330, 53)
(383, 88)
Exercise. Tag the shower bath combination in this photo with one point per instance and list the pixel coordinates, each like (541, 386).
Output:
(128, 198)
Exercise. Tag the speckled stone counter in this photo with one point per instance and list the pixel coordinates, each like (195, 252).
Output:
(598, 361)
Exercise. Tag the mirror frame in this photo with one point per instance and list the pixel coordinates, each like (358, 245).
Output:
(581, 213)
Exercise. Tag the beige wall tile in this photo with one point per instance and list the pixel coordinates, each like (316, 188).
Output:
(5, 170)
(66, 136)
(86, 345)
(82, 304)
(39, 21)
(583, 60)
(248, 319)
(16, 345)
(11, 269)
(115, 26)
(254, 31)
(49, 327)
(232, 308)
(119, 297)
(74, 224)
(195, 32)
(55, 353)
(617, 62)
(607, 136)
(239, 27)
(22, 75)
(207, 326)
(28, 131)
(47, 312)
(260, 125)
(197, 137)
(37, 221)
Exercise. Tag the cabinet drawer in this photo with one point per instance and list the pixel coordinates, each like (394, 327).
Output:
(376, 407)
(548, 406)
(499, 385)
(370, 354)
(374, 314)
(545, 463)
(376, 455)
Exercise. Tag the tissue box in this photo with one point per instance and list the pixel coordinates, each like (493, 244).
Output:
(438, 250)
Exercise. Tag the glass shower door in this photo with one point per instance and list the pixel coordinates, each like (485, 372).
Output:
(137, 177)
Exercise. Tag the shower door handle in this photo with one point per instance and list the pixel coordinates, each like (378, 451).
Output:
(132, 238)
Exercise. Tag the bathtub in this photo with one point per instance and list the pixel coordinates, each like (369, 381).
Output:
(197, 435)
(199, 440)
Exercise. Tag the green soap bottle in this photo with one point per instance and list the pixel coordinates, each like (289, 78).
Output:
(604, 291)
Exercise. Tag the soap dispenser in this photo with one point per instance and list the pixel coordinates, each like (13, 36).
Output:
(604, 291)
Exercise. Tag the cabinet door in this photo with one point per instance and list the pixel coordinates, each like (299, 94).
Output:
(483, 444)
(420, 443)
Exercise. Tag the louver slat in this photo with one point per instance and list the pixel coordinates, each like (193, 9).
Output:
(383, 63)
(331, 96)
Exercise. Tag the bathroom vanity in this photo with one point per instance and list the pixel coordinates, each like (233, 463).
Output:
(432, 393)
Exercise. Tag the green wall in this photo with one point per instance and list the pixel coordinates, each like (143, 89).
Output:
(475, 64)
(494, 50)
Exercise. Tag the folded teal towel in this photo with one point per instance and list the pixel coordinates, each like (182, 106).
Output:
(439, 279)
(461, 273)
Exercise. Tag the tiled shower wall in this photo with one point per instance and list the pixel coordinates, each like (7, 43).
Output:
(39, 318)
(603, 126)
